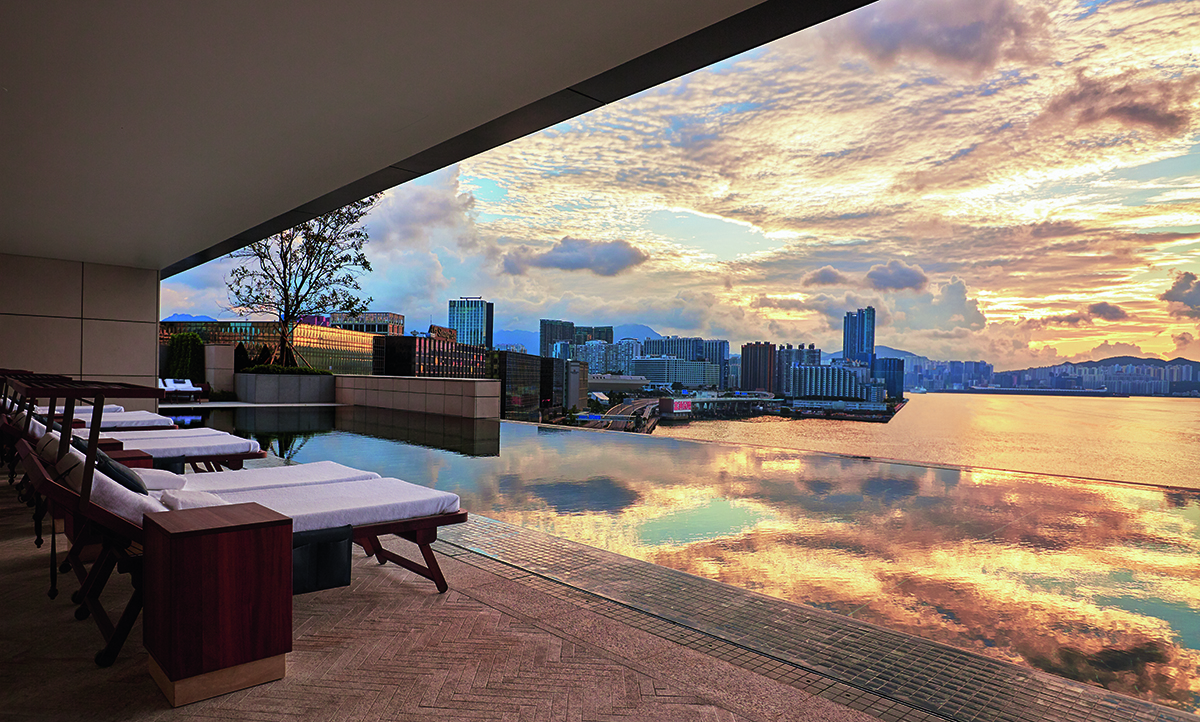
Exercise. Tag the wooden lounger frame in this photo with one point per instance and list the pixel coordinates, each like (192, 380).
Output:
(421, 531)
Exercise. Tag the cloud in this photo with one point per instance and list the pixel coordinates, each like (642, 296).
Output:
(969, 37)
(1162, 106)
(1107, 311)
(826, 276)
(1184, 295)
(604, 258)
(1108, 349)
(896, 276)
(1186, 345)
(946, 308)
(1103, 310)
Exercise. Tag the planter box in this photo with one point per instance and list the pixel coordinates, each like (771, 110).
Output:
(284, 389)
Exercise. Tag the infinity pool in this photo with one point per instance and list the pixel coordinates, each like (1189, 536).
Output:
(1092, 581)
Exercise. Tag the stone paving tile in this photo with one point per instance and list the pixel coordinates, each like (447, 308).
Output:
(887, 674)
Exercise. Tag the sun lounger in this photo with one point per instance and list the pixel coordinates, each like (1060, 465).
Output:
(203, 448)
(180, 389)
(371, 508)
(81, 411)
(144, 420)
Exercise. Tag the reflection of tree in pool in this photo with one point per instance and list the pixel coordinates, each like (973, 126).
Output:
(284, 445)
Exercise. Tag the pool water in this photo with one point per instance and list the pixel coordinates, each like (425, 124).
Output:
(1093, 581)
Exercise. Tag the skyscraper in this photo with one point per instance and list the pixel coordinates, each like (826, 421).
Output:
(551, 331)
(471, 317)
(858, 335)
(758, 366)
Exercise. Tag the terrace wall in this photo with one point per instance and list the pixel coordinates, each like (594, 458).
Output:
(83, 320)
(468, 398)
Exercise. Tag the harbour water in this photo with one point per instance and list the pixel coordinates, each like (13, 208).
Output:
(1141, 440)
(1094, 581)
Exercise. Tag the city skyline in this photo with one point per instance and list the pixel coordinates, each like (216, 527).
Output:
(1002, 180)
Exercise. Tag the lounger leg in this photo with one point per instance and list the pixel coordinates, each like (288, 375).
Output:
(422, 539)
(53, 559)
(435, 572)
(39, 513)
(95, 582)
(105, 657)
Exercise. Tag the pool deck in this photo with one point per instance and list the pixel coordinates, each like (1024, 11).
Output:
(535, 627)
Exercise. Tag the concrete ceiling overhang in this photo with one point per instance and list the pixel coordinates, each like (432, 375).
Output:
(163, 135)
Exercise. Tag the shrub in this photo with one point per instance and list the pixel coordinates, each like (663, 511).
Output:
(185, 357)
(241, 358)
(276, 369)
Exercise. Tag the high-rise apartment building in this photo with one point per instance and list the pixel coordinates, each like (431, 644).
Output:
(687, 348)
(552, 331)
(583, 334)
(858, 335)
(758, 366)
(716, 351)
(471, 317)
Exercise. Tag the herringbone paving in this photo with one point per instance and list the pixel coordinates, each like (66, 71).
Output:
(851, 662)
(390, 648)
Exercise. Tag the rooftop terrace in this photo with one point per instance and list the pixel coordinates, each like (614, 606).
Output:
(536, 627)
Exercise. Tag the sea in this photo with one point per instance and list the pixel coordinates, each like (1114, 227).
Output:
(1142, 440)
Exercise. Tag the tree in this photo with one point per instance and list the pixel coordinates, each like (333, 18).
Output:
(307, 270)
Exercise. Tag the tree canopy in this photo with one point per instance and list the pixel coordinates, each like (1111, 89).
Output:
(311, 269)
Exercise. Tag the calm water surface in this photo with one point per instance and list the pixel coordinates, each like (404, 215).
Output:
(1093, 581)
(1147, 440)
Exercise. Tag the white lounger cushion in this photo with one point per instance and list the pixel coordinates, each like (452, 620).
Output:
(121, 501)
(192, 433)
(318, 472)
(128, 419)
(80, 410)
(168, 443)
(177, 499)
(373, 501)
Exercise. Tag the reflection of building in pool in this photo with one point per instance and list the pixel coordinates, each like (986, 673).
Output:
(321, 347)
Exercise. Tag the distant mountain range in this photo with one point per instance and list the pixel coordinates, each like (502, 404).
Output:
(880, 352)
(1125, 360)
(182, 317)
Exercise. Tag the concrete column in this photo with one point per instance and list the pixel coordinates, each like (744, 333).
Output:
(83, 320)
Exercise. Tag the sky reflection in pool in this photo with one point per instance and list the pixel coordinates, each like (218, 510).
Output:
(1093, 581)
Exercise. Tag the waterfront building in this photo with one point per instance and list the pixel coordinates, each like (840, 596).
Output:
(520, 376)
(471, 318)
(716, 351)
(891, 371)
(858, 335)
(552, 331)
(382, 322)
(758, 366)
(429, 357)
(836, 382)
(669, 370)
(321, 347)
(689, 348)
(811, 356)
(735, 371)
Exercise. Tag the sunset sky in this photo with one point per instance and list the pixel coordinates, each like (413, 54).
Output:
(1011, 181)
